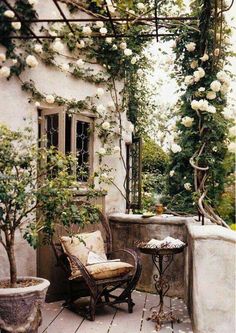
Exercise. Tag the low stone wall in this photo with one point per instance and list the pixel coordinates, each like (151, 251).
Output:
(210, 278)
(128, 229)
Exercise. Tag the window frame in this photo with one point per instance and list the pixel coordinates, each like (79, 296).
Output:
(83, 116)
(90, 121)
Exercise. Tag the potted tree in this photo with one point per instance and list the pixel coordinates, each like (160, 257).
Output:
(36, 192)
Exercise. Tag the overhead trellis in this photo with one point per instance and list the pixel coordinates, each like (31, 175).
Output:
(155, 26)
(158, 26)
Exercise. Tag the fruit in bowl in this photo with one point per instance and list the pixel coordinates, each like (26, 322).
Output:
(148, 214)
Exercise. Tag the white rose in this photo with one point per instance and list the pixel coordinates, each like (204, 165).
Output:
(205, 57)
(5, 71)
(14, 61)
(114, 47)
(58, 46)
(80, 44)
(195, 104)
(101, 109)
(80, 63)
(232, 131)
(2, 57)
(52, 33)
(196, 76)
(38, 48)
(228, 114)
(211, 109)
(109, 40)
(133, 60)
(16, 25)
(215, 86)
(203, 105)
(123, 45)
(187, 121)
(172, 172)
(175, 148)
(224, 89)
(139, 71)
(31, 61)
(87, 30)
(65, 67)
(201, 72)
(102, 151)
(131, 12)
(215, 149)
(33, 2)
(9, 13)
(223, 77)
(50, 99)
(141, 6)
(111, 9)
(99, 24)
(232, 147)
(194, 64)
(211, 95)
(116, 149)
(103, 31)
(188, 79)
(188, 186)
(100, 92)
(106, 125)
(128, 52)
(190, 46)
(201, 89)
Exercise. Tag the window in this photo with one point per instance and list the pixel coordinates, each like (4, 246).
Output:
(69, 134)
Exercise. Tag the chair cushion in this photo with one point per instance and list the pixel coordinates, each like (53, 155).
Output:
(81, 244)
(105, 270)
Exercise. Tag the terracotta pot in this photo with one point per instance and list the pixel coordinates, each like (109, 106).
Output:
(20, 308)
(159, 209)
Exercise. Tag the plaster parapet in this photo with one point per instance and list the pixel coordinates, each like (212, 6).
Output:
(158, 219)
(213, 232)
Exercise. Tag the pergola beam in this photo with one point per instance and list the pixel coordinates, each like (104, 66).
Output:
(22, 21)
(95, 36)
(147, 19)
(63, 15)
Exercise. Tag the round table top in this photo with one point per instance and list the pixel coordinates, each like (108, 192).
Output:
(160, 251)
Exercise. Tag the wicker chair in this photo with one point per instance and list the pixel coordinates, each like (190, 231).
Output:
(100, 291)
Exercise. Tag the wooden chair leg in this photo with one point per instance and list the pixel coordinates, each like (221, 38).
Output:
(92, 308)
(106, 295)
(130, 304)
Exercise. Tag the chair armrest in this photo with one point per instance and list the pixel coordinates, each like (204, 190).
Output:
(90, 281)
(133, 254)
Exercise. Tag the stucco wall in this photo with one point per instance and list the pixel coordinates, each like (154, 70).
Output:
(16, 112)
(211, 276)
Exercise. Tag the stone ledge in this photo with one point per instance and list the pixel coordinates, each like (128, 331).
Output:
(158, 219)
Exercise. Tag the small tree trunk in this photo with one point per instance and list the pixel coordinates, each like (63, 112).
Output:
(12, 261)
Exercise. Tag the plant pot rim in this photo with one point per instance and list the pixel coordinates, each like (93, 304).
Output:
(13, 291)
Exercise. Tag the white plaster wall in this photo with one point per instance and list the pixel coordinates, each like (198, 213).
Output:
(213, 279)
(14, 109)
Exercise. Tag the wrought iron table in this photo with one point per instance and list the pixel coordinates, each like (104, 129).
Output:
(162, 259)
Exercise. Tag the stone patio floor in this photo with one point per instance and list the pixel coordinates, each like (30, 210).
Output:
(57, 319)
